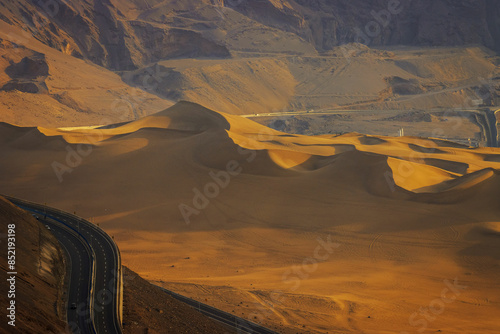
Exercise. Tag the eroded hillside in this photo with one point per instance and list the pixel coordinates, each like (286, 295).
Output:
(41, 271)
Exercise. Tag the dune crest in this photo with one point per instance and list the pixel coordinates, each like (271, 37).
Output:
(428, 162)
(415, 164)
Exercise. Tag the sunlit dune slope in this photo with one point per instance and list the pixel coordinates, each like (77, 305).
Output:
(222, 207)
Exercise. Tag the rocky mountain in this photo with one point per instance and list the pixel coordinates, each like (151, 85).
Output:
(123, 35)
(42, 86)
(329, 23)
(242, 57)
(97, 30)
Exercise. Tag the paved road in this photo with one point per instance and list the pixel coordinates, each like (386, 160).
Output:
(80, 264)
(330, 111)
(94, 258)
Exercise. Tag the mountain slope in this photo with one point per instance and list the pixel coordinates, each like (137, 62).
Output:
(99, 32)
(149, 309)
(41, 270)
(362, 78)
(123, 35)
(43, 86)
(380, 23)
(244, 57)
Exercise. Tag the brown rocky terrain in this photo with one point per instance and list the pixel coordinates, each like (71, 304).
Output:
(380, 23)
(399, 79)
(128, 34)
(41, 269)
(101, 33)
(147, 309)
(43, 86)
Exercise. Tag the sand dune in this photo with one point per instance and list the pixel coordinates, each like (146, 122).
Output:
(222, 209)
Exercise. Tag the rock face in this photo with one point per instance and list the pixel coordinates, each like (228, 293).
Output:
(98, 31)
(29, 68)
(328, 23)
(28, 75)
(175, 43)
(124, 35)
(41, 86)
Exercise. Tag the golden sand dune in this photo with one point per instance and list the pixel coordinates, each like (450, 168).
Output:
(350, 233)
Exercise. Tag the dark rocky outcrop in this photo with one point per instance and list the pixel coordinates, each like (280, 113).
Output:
(328, 23)
(28, 75)
(96, 30)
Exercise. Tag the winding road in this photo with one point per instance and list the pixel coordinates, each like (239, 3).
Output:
(95, 280)
(95, 286)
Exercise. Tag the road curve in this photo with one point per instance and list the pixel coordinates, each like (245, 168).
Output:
(81, 262)
(96, 287)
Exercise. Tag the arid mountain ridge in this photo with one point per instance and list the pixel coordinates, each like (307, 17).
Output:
(242, 57)
(406, 22)
(123, 35)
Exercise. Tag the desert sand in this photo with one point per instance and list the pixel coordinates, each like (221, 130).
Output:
(319, 234)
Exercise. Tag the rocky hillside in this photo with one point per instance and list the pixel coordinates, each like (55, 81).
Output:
(150, 310)
(41, 86)
(39, 288)
(40, 267)
(123, 35)
(89, 62)
(97, 30)
(328, 23)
